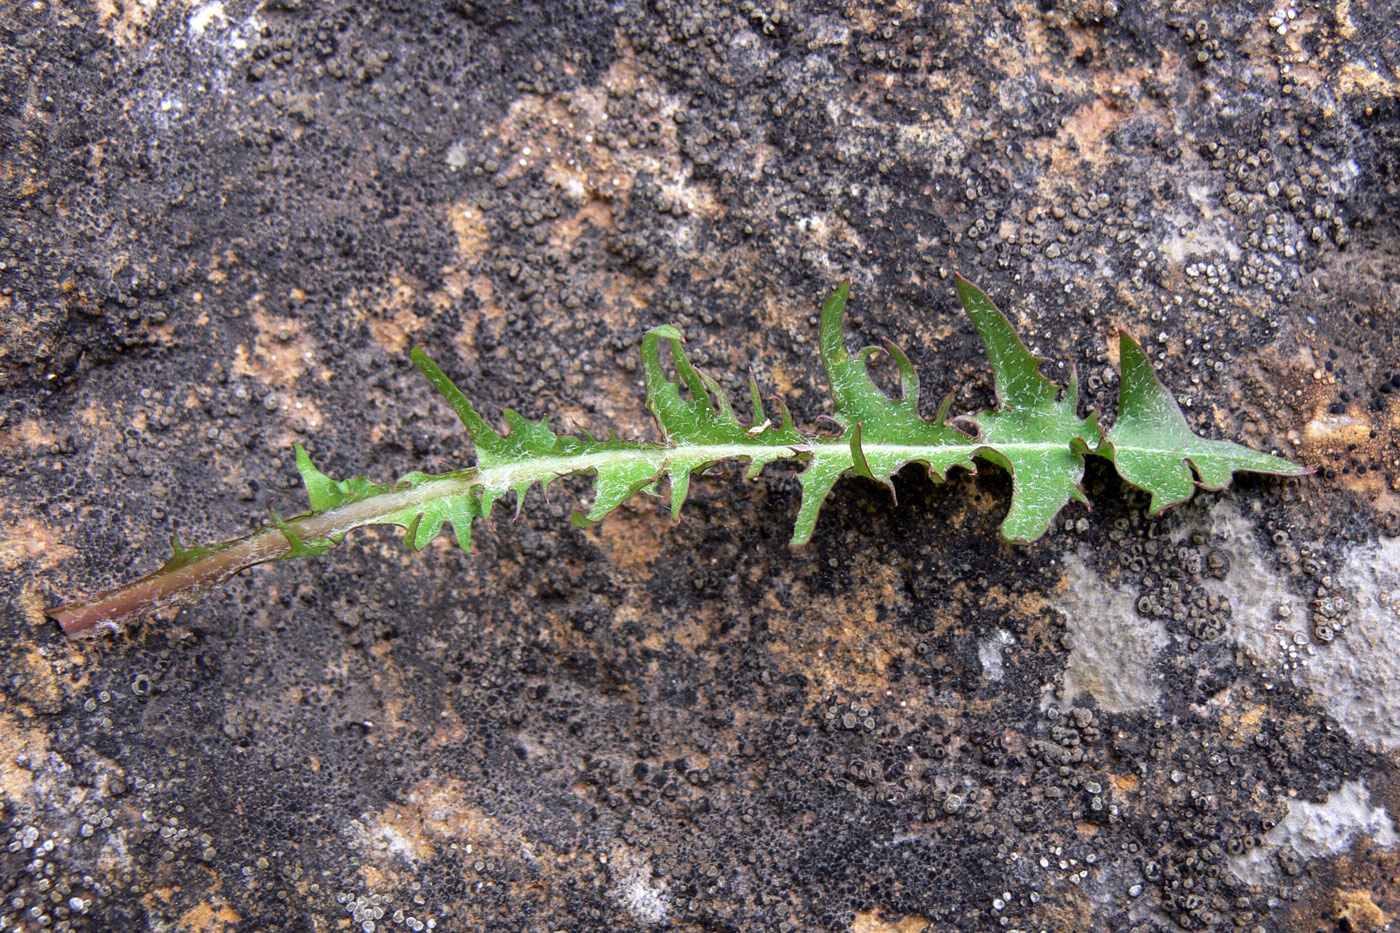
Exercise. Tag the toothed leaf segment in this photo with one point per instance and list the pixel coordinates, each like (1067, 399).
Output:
(1153, 447)
(881, 434)
(1035, 433)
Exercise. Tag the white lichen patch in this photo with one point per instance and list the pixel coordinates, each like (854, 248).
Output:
(1317, 830)
(1355, 678)
(207, 15)
(392, 841)
(1267, 616)
(456, 155)
(1113, 649)
(989, 653)
(378, 836)
(643, 898)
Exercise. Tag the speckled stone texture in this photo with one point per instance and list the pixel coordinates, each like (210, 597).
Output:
(223, 223)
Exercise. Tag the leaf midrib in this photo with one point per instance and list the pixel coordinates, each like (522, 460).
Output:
(504, 476)
(518, 471)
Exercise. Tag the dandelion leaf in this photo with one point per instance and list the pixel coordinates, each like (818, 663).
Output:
(1035, 433)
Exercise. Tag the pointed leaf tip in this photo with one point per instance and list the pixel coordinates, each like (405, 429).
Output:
(1015, 369)
(298, 547)
(1153, 447)
(320, 488)
(482, 434)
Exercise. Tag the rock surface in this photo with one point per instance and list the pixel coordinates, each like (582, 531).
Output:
(223, 223)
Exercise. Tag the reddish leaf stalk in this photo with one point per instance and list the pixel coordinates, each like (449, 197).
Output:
(97, 614)
(92, 616)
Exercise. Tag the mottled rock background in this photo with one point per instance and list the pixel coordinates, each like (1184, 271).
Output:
(223, 223)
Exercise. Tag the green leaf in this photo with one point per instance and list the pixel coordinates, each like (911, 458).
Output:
(1154, 448)
(1035, 433)
(528, 453)
(422, 521)
(481, 433)
(859, 401)
(296, 547)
